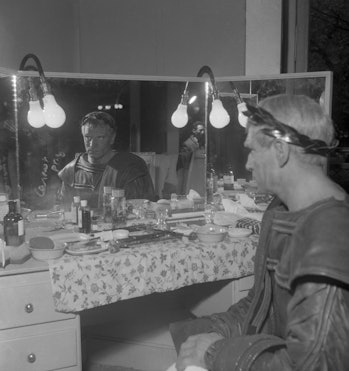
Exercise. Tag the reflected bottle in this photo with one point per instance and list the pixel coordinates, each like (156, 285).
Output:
(13, 226)
(118, 208)
(84, 221)
(107, 194)
(228, 178)
(75, 209)
(211, 183)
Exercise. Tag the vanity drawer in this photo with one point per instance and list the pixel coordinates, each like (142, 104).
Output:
(26, 300)
(43, 347)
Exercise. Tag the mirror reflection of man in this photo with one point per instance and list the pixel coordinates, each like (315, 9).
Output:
(100, 165)
(192, 148)
(8, 163)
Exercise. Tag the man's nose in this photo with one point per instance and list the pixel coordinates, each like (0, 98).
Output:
(92, 143)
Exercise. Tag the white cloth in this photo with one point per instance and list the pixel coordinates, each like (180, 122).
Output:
(189, 368)
(239, 209)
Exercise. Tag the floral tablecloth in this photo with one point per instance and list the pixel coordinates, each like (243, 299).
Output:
(83, 282)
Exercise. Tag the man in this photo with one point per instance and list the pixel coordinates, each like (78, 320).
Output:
(102, 166)
(194, 145)
(296, 317)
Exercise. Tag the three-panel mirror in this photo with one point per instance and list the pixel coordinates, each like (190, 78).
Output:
(142, 108)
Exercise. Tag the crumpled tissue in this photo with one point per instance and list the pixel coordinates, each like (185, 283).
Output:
(189, 368)
(239, 208)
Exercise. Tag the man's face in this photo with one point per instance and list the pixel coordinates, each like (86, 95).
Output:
(261, 161)
(98, 141)
(199, 130)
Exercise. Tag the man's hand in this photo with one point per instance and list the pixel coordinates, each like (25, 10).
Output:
(193, 350)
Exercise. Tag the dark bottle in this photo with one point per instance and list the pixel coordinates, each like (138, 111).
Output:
(84, 221)
(13, 226)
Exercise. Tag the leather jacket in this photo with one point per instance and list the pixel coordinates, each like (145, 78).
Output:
(296, 317)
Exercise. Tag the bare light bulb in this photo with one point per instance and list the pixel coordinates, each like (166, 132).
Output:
(179, 117)
(241, 117)
(53, 113)
(35, 115)
(219, 117)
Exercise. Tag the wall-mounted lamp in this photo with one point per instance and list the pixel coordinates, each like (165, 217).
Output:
(52, 114)
(218, 117)
(179, 117)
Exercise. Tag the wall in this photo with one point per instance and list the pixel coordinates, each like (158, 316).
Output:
(43, 27)
(153, 37)
(162, 37)
(263, 37)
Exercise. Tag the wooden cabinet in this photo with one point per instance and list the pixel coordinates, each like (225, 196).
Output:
(33, 336)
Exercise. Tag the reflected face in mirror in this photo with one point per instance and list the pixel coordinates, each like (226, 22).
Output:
(98, 142)
(98, 131)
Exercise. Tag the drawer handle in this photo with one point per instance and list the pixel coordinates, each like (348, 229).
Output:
(31, 358)
(29, 308)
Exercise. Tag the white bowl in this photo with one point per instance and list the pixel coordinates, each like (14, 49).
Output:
(211, 233)
(47, 254)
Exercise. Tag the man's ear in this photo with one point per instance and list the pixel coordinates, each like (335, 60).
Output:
(282, 150)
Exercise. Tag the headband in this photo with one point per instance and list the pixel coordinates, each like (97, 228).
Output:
(274, 128)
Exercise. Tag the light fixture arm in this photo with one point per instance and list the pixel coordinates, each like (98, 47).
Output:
(185, 95)
(207, 70)
(44, 85)
(236, 93)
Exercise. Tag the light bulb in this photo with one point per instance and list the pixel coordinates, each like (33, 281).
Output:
(35, 114)
(241, 117)
(219, 117)
(179, 117)
(53, 113)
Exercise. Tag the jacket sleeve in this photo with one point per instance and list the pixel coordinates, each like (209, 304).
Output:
(228, 323)
(316, 337)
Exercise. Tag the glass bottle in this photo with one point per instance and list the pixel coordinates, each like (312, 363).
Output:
(13, 226)
(118, 208)
(84, 221)
(211, 183)
(228, 178)
(75, 209)
(107, 194)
